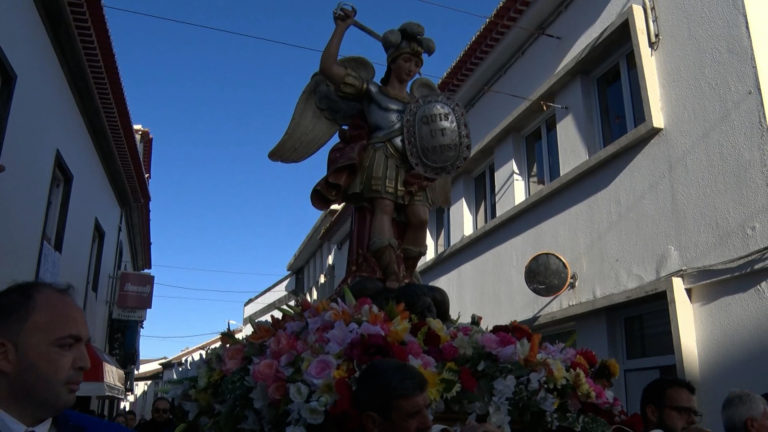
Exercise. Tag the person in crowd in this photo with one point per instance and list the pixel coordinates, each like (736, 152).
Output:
(162, 420)
(744, 411)
(130, 419)
(120, 419)
(669, 405)
(392, 397)
(43, 338)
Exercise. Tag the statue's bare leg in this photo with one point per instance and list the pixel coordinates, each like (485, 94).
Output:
(383, 245)
(415, 239)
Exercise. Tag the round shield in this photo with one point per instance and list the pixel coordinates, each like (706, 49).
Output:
(436, 135)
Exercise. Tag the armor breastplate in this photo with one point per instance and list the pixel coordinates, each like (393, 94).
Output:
(385, 118)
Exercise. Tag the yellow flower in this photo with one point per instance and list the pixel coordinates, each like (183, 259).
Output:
(437, 326)
(613, 366)
(433, 384)
(557, 371)
(579, 381)
(398, 328)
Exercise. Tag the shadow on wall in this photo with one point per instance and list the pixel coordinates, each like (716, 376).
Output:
(556, 203)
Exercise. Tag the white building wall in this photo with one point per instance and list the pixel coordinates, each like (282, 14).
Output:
(44, 118)
(692, 195)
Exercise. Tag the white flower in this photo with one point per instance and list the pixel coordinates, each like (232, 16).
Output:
(498, 416)
(504, 388)
(259, 396)
(298, 392)
(546, 401)
(534, 380)
(463, 344)
(313, 413)
(523, 348)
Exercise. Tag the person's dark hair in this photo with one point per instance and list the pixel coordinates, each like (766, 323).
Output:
(655, 392)
(385, 380)
(160, 398)
(17, 303)
(131, 412)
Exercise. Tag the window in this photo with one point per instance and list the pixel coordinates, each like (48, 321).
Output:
(442, 227)
(7, 84)
(94, 262)
(647, 350)
(55, 221)
(485, 196)
(542, 160)
(619, 100)
(58, 204)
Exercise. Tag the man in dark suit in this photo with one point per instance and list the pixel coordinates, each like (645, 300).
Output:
(43, 355)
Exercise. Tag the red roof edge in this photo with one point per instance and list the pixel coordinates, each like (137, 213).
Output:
(105, 76)
(493, 31)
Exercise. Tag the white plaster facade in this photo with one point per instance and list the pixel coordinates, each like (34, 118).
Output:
(670, 217)
(664, 222)
(57, 123)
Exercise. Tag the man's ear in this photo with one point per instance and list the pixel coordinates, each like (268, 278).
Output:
(750, 424)
(371, 422)
(652, 413)
(7, 356)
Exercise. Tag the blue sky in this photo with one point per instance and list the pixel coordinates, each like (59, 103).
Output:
(216, 103)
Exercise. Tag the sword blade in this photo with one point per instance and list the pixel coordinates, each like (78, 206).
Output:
(367, 30)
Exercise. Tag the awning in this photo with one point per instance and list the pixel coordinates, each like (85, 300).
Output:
(105, 378)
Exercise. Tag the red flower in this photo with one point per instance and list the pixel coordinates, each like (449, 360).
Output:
(364, 349)
(344, 401)
(580, 363)
(467, 380)
(431, 339)
(633, 422)
(589, 356)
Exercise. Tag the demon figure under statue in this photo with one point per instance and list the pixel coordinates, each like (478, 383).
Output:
(397, 147)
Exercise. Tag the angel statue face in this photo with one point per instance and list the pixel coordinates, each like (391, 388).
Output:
(405, 67)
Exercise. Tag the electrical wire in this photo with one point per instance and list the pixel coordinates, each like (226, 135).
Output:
(207, 27)
(179, 337)
(199, 269)
(515, 26)
(198, 299)
(206, 289)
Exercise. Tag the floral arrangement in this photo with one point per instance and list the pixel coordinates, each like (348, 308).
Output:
(297, 373)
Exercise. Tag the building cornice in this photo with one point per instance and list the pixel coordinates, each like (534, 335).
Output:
(78, 32)
(486, 39)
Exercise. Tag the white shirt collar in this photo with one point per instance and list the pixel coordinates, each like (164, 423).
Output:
(9, 424)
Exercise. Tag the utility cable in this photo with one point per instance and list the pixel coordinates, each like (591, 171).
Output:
(179, 337)
(207, 27)
(206, 289)
(515, 26)
(215, 270)
(198, 299)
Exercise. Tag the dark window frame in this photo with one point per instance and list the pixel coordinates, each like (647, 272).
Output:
(7, 86)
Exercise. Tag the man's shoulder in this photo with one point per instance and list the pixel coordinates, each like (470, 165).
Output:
(72, 421)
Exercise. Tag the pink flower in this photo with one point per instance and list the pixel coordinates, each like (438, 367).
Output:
(321, 369)
(281, 344)
(413, 348)
(266, 371)
(449, 351)
(490, 342)
(232, 358)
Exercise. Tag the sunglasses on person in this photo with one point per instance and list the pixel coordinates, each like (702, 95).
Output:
(161, 410)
